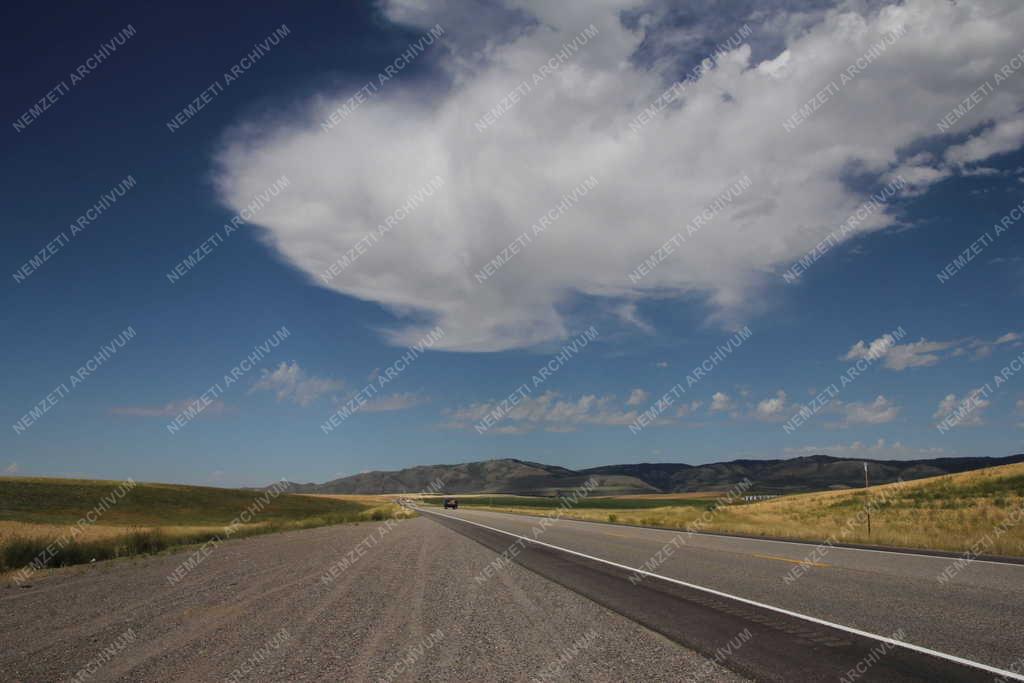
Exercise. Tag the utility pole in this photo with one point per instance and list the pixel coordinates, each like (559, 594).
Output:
(867, 506)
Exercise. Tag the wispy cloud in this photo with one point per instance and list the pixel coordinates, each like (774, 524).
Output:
(627, 313)
(898, 356)
(289, 382)
(980, 348)
(880, 449)
(11, 469)
(546, 411)
(215, 407)
(924, 353)
(394, 402)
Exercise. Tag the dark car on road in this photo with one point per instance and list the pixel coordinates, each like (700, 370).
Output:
(451, 503)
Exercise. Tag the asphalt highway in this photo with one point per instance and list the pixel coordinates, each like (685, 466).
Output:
(957, 627)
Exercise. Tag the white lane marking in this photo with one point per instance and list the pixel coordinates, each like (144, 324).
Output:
(866, 634)
(949, 558)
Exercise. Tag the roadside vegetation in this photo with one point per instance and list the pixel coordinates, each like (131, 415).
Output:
(39, 518)
(981, 511)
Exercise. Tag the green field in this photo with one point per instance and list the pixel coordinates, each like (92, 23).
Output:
(65, 501)
(124, 520)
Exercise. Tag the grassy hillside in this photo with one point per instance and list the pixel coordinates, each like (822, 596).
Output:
(981, 510)
(794, 475)
(509, 476)
(126, 520)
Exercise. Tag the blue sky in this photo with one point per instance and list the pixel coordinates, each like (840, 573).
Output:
(570, 275)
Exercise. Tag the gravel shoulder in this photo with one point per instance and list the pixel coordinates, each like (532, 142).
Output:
(405, 607)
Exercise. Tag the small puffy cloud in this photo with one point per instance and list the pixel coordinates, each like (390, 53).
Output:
(687, 409)
(172, 409)
(11, 469)
(879, 411)
(661, 364)
(966, 411)
(772, 408)
(637, 397)
(289, 382)
(720, 402)
(946, 406)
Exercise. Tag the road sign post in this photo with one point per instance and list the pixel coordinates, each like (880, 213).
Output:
(867, 506)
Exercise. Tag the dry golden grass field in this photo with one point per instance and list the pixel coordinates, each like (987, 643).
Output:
(981, 511)
(40, 513)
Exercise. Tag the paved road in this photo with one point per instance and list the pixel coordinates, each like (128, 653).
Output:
(407, 609)
(977, 615)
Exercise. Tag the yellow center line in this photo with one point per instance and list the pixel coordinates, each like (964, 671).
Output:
(786, 559)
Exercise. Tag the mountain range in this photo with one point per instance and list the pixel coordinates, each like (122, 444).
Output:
(509, 475)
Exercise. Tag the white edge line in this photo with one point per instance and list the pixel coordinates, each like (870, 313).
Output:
(892, 641)
(948, 558)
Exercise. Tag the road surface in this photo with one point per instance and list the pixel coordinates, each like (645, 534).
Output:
(406, 607)
(977, 616)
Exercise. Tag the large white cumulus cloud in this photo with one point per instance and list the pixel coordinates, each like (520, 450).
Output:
(575, 124)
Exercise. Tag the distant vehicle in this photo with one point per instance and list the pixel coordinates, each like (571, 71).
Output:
(451, 503)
